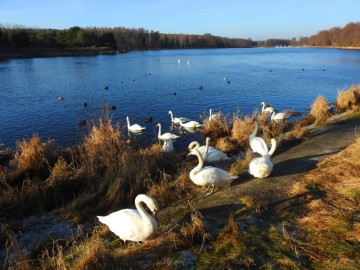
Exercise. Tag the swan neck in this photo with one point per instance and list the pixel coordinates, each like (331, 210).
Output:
(273, 147)
(139, 206)
(128, 121)
(172, 117)
(200, 165)
(194, 144)
(253, 134)
(159, 130)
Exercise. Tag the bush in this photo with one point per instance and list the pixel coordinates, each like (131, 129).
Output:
(321, 110)
(349, 99)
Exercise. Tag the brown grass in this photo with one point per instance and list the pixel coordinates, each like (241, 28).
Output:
(329, 220)
(241, 164)
(321, 110)
(216, 128)
(33, 155)
(348, 99)
(242, 128)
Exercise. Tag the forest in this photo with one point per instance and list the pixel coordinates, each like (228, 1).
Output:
(124, 39)
(348, 36)
(120, 38)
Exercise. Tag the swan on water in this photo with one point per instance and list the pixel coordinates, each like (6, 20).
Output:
(166, 136)
(191, 124)
(178, 120)
(209, 176)
(134, 224)
(213, 115)
(261, 167)
(279, 116)
(208, 153)
(258, 144)
(134, 127)
(168, 146)
(266, 108)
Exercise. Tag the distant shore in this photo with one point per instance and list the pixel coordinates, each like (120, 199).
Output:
(54, 52)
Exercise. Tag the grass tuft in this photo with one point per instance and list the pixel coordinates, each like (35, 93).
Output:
(320, 110)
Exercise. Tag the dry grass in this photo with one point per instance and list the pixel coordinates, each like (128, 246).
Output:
(329, 222)
(102, 147)
(242, 128)
(33, 155)
(216, 128)
(320, 110)
(348, 99)
(241, 164)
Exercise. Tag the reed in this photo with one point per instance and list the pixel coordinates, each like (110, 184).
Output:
(320, 110)
(348, 99)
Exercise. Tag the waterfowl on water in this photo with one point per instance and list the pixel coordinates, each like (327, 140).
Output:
(134, 127)
(177, 120)
(266, 108)
(166, 136)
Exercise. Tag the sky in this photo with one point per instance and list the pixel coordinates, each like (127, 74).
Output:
(255, 19)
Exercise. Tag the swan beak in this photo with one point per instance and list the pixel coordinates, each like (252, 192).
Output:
(155, 214)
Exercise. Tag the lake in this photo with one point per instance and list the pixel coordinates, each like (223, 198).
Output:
(150, 83)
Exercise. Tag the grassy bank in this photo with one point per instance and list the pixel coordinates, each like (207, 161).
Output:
(104, 173)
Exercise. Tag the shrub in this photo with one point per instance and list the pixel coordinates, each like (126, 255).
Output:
(348, 99)
(321, 110)
(33, 155)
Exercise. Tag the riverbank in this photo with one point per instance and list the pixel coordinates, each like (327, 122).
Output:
(6, 54)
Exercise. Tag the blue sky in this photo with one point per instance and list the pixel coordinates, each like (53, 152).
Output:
(255, 19)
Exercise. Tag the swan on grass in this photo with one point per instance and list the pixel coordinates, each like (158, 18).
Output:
(178, 120)
(208, 153)
(258, 144)
(134, 224)
(134, 127)
(168, 146)
(166, 136)
(266, 108)
(209, 176)
(261, 167)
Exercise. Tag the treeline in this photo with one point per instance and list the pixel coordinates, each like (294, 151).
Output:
(119, 38)
(348, 36)
(277, 42)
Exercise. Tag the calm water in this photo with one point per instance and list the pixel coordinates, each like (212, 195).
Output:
(142, 84)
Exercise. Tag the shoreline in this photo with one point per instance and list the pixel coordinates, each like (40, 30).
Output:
(28, 53)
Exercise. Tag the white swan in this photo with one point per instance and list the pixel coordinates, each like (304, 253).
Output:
(266, 108)
(208, 153)
(213, 115)
(177, 120)
(166, 136)
(191, 124)
(209, 176)
(279, 116)
(168, 146)
(258, 144)
(261, 167)
(134, 224)
(134, 127)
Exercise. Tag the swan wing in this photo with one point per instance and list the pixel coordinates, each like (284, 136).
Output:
(126, 223)
(215, 155)
(214, 176)
(260, 167)
(258, 145)
(136, 127)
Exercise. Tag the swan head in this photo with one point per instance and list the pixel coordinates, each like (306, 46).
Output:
(153, 205)
(263, 103)
(158, 125)
(193, 144)
(170, 112)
